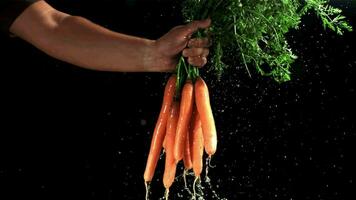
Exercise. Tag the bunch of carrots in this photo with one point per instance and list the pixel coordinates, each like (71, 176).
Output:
(185, 127)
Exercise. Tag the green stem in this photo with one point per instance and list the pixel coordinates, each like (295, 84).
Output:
(181, 76)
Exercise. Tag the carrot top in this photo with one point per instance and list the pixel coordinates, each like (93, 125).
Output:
(254, 32)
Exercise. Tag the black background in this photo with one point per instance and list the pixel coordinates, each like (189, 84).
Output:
(68, 132)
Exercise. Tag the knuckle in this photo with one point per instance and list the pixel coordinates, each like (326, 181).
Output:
(198, 51)
(203, 61)
(206, 42)
(184, 53)
(190, 43)
(199, 44)
(206, 52)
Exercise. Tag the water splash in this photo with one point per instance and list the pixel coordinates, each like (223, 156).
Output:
(147, 187)
(197, 195)
(197, 188)
(207, 180)
(185, 174)
(166, 194)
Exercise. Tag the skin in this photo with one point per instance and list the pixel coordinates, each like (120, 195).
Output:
(78, 41)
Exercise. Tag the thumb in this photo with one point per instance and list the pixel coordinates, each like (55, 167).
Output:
(193, 26)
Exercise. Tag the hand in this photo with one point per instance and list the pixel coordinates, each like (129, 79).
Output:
(168, 47)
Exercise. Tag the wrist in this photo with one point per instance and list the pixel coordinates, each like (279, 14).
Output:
(155, 60)
(150, 56)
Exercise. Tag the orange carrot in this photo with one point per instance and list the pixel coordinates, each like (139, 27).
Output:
(206, 116)
(170, 164)
(197, 145)
(185, 113)
(159, 131)
(164, 142)
(187, 159)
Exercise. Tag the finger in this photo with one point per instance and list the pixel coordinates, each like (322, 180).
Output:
(199, 42)
(193, 26)
(194, 52)
(197, 61)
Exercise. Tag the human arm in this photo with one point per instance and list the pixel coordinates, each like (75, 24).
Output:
(78, 41)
